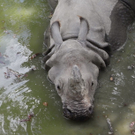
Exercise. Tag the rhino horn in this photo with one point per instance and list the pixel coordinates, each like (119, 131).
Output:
(55, 33)
(76, 83)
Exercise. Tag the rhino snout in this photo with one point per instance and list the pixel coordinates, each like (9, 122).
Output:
(78, 114)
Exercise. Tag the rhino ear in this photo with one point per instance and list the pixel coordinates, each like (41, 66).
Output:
(84, 29)
(50, 62)
(55, 33)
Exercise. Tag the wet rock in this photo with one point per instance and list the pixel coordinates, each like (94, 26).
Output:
(129, 67)
(110, 133)
(133, 55)
(33, 68)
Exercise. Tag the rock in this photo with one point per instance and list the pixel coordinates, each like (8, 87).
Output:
(33, 68)
(129, 67)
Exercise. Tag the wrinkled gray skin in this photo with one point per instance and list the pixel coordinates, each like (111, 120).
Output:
(81, 35)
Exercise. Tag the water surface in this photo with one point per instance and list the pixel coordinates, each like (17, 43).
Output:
(22, 25)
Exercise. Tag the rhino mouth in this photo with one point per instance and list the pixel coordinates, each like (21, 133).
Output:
(78, 113)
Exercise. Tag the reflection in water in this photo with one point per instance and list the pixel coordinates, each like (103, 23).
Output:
(12, 88)
(2, 124)
(16, 55)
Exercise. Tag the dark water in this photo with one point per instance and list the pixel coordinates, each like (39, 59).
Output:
(22, 24)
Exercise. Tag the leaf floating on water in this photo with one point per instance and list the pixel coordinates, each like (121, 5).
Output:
(50, 16)
(2, 62)
(45, 104)
(6, 56)
(6, 32)
(25, 120)
(132, 124)
(18, 52)
(7, 74)
(34, 55)
(125, 104)
(29, 117)
(14, 36)
(111, 78)
(133, 132)
(12, 72)
(3, 28)
(25, 75)
(1, 57)
(118, 60)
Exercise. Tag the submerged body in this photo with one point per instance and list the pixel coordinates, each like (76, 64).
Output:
(81, 35)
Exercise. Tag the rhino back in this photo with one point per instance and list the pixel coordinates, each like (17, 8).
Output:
(96, 12)
(104, 9)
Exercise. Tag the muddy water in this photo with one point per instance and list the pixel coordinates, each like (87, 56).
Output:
(23, 91)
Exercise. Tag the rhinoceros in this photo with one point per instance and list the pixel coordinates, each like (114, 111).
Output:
(82, 36)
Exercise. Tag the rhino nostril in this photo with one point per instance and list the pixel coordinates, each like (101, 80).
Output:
(90, 109)
(68, 112)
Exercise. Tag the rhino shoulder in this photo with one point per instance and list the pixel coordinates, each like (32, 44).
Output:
(121, 17)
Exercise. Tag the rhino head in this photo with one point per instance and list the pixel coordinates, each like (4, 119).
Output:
(74, 70)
